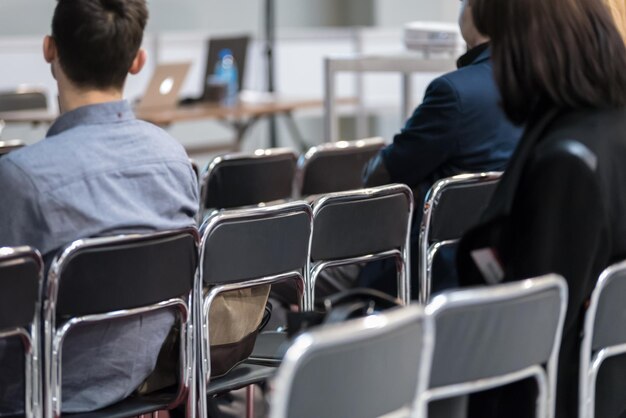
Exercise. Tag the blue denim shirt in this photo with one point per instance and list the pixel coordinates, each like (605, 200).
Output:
(99, 171)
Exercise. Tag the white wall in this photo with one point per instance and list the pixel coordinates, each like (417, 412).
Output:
(32, 17)
(397, 12)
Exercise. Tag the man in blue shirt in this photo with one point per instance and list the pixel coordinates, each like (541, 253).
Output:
(458, 128)
(98, 172)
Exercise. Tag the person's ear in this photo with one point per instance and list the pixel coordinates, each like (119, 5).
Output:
(49, 49)
(138, 62)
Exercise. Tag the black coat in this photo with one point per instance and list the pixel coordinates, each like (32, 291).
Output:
(560, 208)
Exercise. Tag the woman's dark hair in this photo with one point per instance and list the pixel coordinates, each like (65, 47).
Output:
(567, 53)
(97, 40)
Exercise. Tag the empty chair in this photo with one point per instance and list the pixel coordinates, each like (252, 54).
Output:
(11, 145)
(111, 279)
(246, 249)
(604, 336)
(23, 99)
(21, 273)
(235, 180)
(493, 336)
(453, 205)
(367, 368)
(361, 226)
(335, 166)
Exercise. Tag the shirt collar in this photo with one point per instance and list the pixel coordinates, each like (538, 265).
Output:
(96, 114)
(475, 55)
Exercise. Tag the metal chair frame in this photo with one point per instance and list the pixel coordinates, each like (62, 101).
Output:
(350, 333)
(428, 250)
(402, 255)
(54, 337)
(205, 302)
(591, 362)
(259, 154)
(545, 378)
(33, 407)
(330, 149)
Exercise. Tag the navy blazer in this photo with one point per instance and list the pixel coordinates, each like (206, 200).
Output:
(458, 128)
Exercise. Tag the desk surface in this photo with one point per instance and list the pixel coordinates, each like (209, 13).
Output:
(243, 110)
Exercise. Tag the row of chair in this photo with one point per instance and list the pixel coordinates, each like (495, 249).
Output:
(239, 179)
(469, 340)
(105, 278)
(102, 278)
(453, 205)
(423, 362)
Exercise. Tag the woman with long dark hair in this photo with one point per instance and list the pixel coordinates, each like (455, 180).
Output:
(560, 207)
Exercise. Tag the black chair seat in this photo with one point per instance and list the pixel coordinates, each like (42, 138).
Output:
(243, 375)
(131, 407)
(269, 349)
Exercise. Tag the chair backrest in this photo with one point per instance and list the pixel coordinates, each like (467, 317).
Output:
(242, 249)
(335, 166)
(353, 226)
(100, 275)
(366, 368)
(247, 244)
(493, 334)
(103, 279)
(25, 99)
(235, 180)
(605, 331)
(453, 205)
(21, 272)
(21, 278)
(11, 145)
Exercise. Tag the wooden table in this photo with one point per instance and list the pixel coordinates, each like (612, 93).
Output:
(239, 117)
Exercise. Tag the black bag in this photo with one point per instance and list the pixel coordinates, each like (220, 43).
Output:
(347, 304)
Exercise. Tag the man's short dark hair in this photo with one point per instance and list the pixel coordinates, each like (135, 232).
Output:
(97, 40)
(563, 53)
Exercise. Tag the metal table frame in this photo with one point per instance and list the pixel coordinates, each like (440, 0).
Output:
(406, 63)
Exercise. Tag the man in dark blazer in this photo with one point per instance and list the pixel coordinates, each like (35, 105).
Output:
(458, 128)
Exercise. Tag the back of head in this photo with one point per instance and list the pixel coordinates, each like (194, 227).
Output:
(566, 53)
(97, 40)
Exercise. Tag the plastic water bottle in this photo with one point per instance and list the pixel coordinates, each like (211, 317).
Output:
(226, 71)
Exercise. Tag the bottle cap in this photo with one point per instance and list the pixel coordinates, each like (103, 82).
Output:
(225, 52)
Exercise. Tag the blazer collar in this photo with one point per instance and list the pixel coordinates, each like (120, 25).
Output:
(475, 55)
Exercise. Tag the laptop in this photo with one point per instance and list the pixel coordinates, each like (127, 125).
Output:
(238, 45)
(166, 83)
